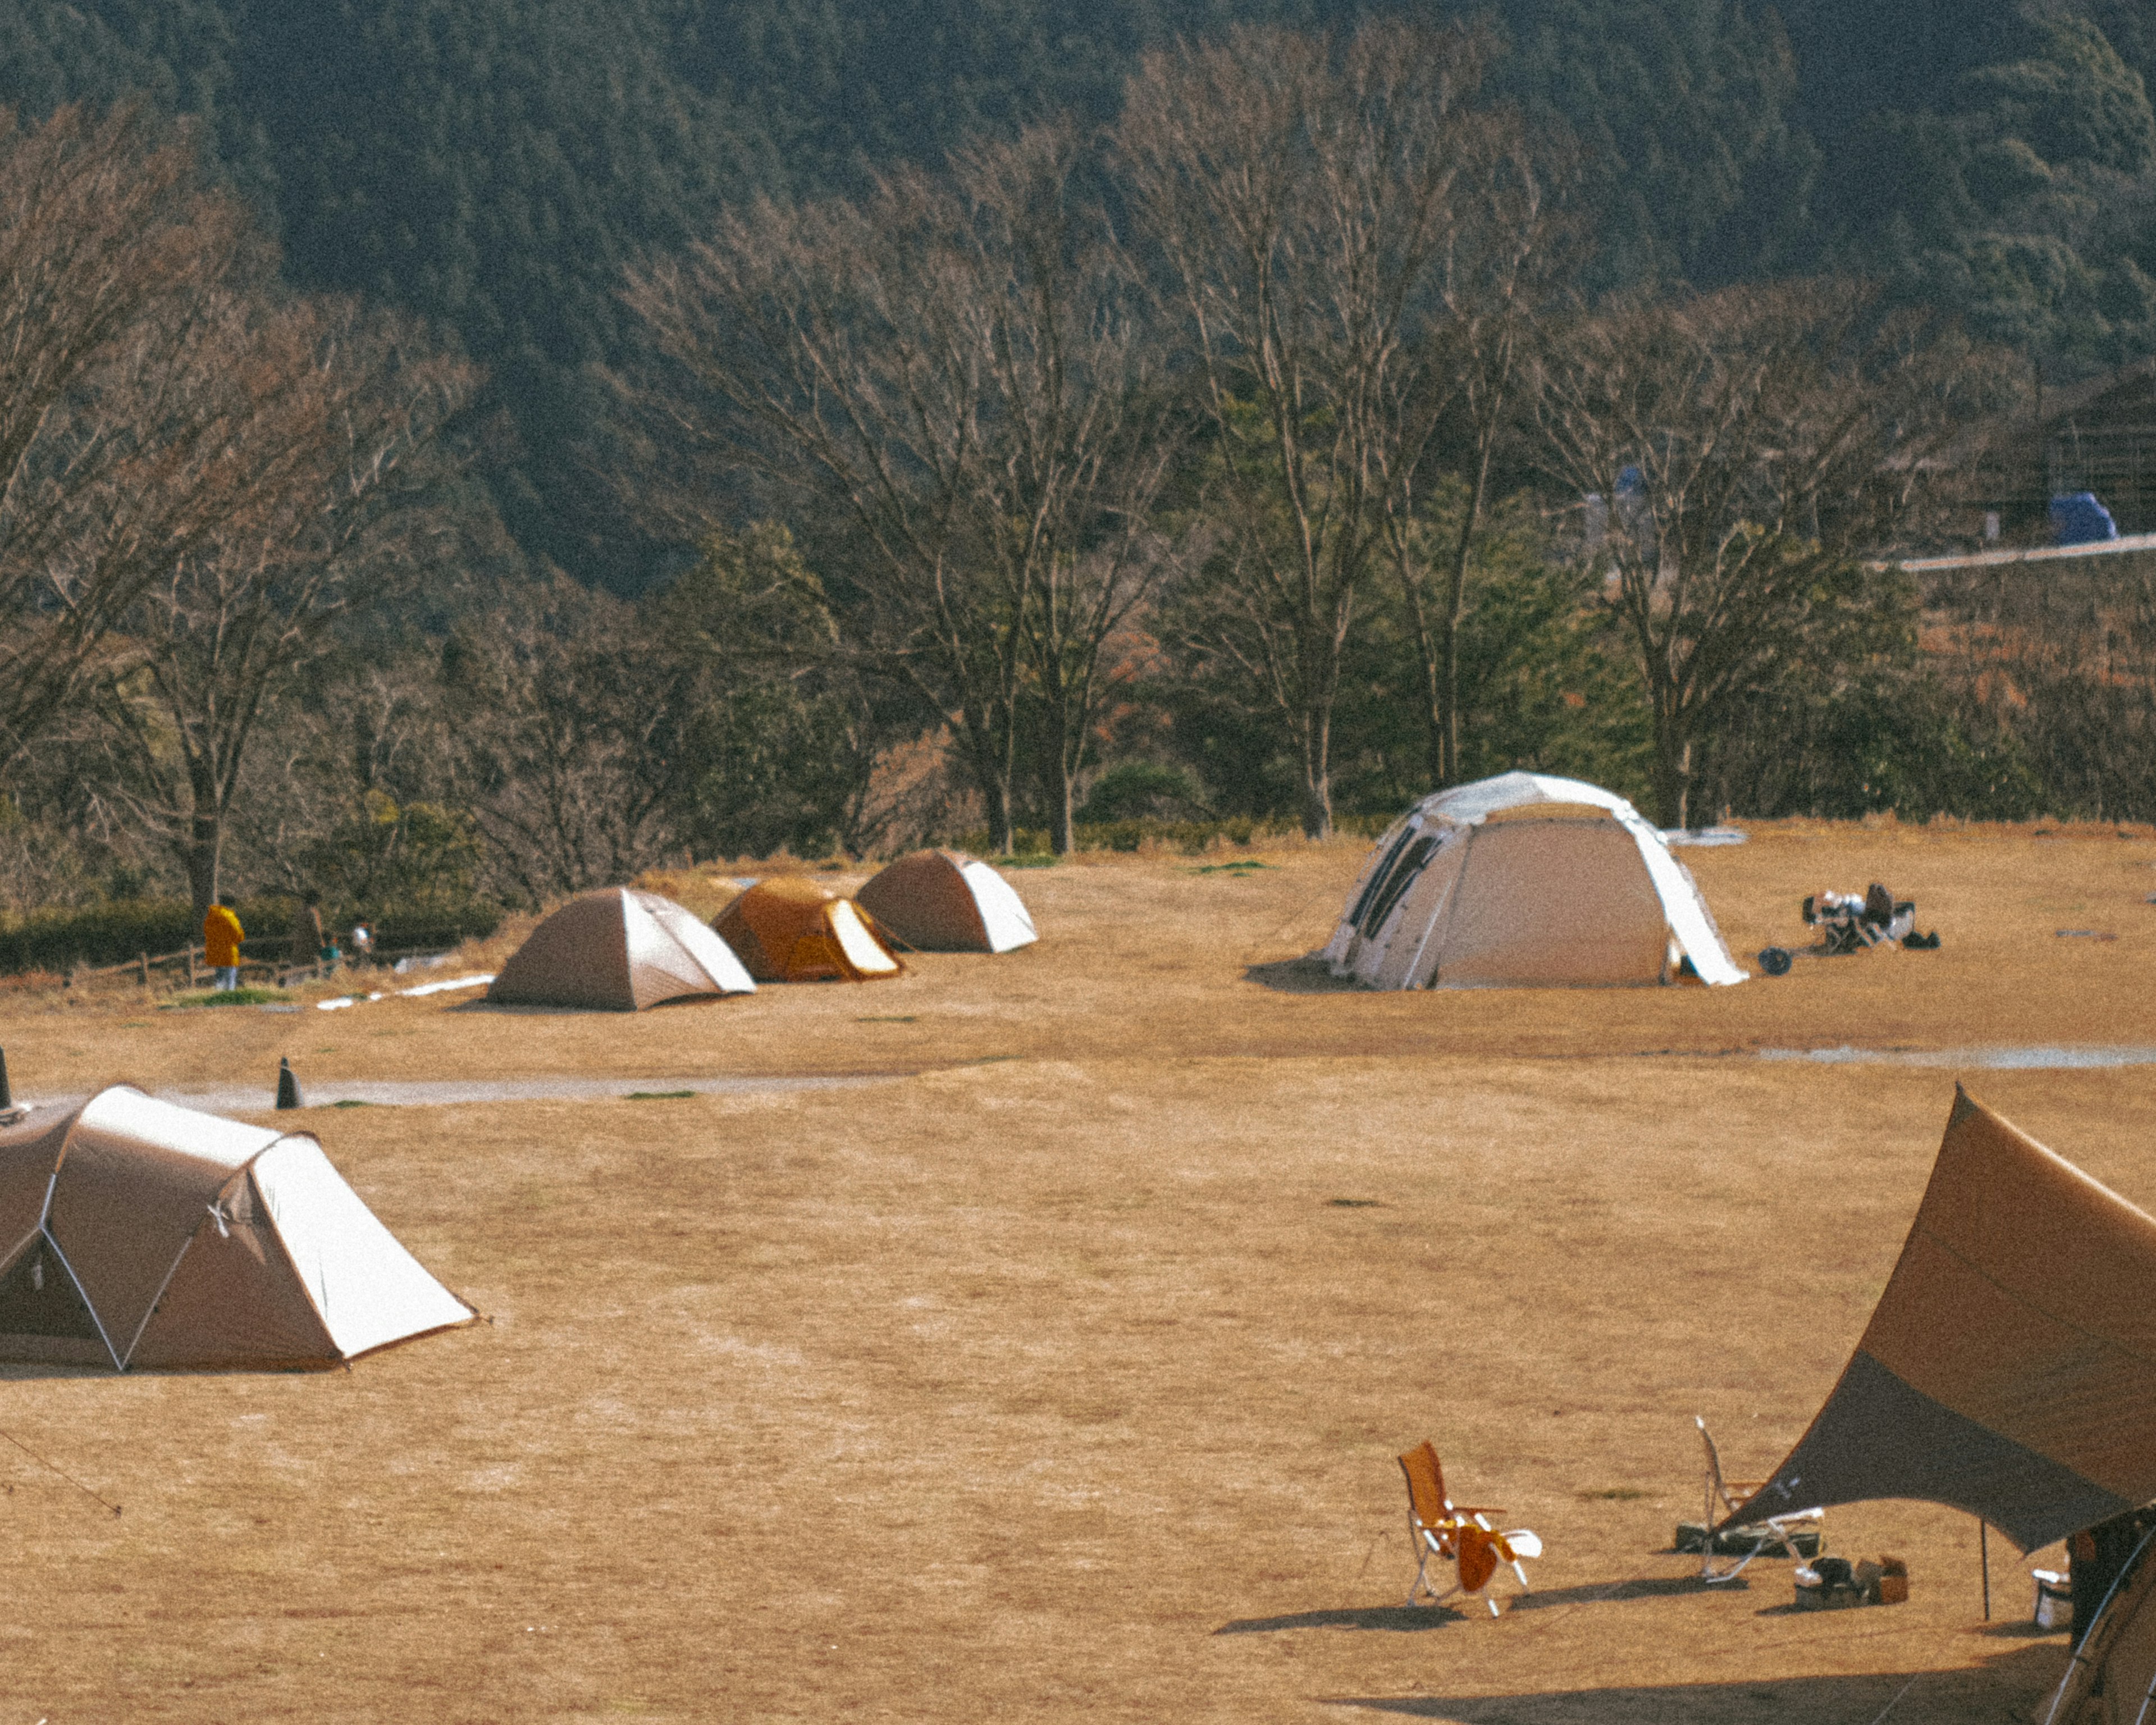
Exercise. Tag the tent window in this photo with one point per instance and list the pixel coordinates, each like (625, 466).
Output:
(1397, 883)
(1379, 875)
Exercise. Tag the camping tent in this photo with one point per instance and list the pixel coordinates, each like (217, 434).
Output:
(2112, 1674)
(1521, 881)
(945, 901)
(137, 1233)
(619, 950)
(790, 930)
(2009, 1368)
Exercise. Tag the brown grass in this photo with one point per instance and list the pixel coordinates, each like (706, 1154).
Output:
(1051, 1379)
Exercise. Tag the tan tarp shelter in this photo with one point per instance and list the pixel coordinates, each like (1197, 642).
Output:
(140, 1235)
(1525, 880)
(788, 929)
(2009, 1368)
(2112, 1676)
(619, 950)
(946, 901)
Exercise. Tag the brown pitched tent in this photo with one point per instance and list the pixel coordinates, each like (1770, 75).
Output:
(788, 929)
(137, 1233)
(2009, 1368)
(621, 951)
(946, 901)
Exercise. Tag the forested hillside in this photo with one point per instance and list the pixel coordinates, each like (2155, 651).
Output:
(492, 165)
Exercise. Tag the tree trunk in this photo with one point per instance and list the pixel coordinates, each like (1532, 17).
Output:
(1672, 773)
(1060, 837)
(204, 857)
(1317, 775)
(1456, 614)
(1426, 652)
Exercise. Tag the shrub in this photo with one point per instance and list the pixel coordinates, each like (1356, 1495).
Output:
(115, 933)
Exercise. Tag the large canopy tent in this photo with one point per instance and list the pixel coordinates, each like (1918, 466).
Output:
(620, 951)
(1525, 880)
(790, 930)
(2009, 1368)
(141, 1235)
(946, 901)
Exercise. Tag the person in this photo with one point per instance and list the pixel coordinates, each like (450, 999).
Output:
(308, 946)
(222, 935)
(362, 942)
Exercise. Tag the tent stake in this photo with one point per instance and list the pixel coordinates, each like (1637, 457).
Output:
(1983, 1556)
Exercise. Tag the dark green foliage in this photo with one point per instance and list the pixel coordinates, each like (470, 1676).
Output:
(1131, 791)
(774, 732)
(493, 164)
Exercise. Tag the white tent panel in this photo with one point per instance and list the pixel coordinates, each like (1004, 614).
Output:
(863, 951)
(369, 1290)
(136, 1124)
(665, 935)
(1003, 914)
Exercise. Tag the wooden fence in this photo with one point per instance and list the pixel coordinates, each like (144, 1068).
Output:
(279, 972)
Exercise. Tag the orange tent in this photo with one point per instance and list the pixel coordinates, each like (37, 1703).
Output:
(790, 930)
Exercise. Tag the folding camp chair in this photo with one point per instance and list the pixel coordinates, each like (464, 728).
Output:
(1722, 1497)
(1457, 1534)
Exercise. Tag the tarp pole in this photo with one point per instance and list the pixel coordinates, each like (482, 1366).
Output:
(1983, 1556)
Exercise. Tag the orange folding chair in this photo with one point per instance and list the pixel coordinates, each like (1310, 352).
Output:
(1457, 1534)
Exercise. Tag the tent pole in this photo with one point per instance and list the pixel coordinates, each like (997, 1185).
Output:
(1983, 1556)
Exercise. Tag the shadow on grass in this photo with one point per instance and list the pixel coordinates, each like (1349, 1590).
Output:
(1409, 1619)
(2005, 1687)
(1299, 976)
(1398, 1619)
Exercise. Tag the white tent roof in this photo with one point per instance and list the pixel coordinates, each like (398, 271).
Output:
(1470, 805)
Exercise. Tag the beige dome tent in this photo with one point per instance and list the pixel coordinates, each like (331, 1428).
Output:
(1523, 881)
(790, 930)
(140, 1235)
(946, 901)
(619, 950)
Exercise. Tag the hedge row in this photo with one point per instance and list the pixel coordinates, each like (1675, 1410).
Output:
(1193, 837)
(115, 933)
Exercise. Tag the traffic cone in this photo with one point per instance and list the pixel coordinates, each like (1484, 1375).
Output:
(287, 1086)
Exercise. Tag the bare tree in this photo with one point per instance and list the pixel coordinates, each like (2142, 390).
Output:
(1750, 445)
(1509, 256)
(559, 725)
(329, 420)
(955, 371)
(1300, 194)
(112, 258)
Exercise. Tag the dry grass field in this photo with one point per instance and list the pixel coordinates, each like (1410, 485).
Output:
(1050, 1376)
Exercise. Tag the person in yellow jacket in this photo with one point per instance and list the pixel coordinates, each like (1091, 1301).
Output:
(222, 935)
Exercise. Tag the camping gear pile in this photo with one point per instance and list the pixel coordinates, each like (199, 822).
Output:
(1853, 922)
(1526, 881)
